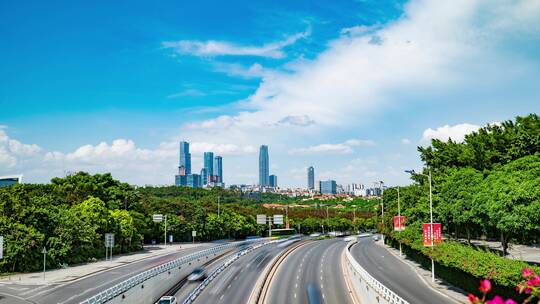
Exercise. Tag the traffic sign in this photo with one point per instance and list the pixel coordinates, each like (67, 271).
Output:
(1, 247)
(157, 218)
(194, 233)
(278, 219)
(109, 240)
(261, 219)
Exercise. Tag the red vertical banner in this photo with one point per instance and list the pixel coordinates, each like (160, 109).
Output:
(437, 233)
(426, 234)
(399, 223)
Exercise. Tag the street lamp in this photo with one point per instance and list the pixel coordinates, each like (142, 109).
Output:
(381, 183)
(430, 218)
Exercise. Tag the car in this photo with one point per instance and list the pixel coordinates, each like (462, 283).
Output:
(314, 294)
(198, 274)
(167, 300)
(376, 238)
(315, 235)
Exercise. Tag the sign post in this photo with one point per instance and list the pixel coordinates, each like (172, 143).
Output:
(193, 235)
(109, 245)
(158, 218)
(44, 251)
(1, 247)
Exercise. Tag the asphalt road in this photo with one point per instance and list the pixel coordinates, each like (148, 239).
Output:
(235, 284)
(77, 291)
(394, 274)
(316, 265)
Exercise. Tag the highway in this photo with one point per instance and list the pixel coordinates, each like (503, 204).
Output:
(235, 284)
(79, 290)
(394, 274)
(316, 264)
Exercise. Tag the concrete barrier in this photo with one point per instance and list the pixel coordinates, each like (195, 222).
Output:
(148, 286)
(366, 287)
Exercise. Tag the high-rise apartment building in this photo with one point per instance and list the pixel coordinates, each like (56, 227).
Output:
(272, 180)
(218, 168)
(209, 163)
(264, 167)
(311, 178)
(185, 158)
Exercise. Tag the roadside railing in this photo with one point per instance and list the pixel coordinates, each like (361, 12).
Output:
(133, 281)
(197, 291)
(364, 282)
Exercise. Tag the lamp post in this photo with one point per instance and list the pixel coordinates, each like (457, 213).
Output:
(399, 218)
(381, 183)
(430, 217)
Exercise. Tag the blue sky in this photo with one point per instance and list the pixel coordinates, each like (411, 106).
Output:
(351, 87)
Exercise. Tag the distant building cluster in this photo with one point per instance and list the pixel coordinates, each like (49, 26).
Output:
(211, 175)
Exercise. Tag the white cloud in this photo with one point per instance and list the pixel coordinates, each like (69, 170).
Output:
(341, 148)
(188, 92)
(456, 133)
(213, 48)
(405, 141)
(255, 70)
(13, 151)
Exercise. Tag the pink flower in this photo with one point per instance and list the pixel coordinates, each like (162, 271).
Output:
(535, 281)
(473, 299)
(527, 290)
(527, 272)
(496, 300)
(485, 286)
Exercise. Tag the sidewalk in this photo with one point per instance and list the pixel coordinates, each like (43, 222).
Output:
(525, 253)
(451, 292)
(59, 276)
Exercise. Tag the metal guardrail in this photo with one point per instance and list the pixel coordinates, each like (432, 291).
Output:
(133, 281)
(377, 286)
(195, 293)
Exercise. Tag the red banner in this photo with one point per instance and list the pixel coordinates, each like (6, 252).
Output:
(399, 223)
(437, 233)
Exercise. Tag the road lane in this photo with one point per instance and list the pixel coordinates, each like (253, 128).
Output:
(316, 264)
(77, 291)
(236, 283)
(394, 274)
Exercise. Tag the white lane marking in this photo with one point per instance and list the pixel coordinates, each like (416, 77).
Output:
(295, 295)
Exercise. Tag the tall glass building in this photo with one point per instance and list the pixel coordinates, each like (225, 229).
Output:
(218, 168)
(273, 180)
(204, 176)
(208, 166)
(311, 178)
(185, 157)
(264, 166)
(328, 187)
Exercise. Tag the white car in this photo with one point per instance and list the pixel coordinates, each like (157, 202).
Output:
(198, 274)
(167, 300)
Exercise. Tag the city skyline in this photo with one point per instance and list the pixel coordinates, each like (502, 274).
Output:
(289, 75)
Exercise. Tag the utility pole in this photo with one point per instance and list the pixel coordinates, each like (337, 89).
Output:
(165, 230)
(431, 223)
(382, 207)
(399, 218)
(218, 207)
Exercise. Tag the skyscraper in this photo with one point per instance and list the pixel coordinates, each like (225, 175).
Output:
(208, 167)
(204, 177)
(311, 178)
(185, 158)
(264, 166)
(218, 168)
(272, 181)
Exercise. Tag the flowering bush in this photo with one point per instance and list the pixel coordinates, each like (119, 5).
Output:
(530, 286)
